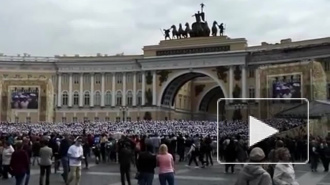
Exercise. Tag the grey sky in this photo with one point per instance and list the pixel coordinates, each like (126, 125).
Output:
(87, 27)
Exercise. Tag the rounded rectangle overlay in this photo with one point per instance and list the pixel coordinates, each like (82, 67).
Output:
(265, 99)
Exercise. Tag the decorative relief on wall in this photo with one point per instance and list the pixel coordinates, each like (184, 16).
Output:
(222, 73)
(163, 76)
(236, 92)
(237, 73)
(148, 97)
(199, 89)
(148, 78)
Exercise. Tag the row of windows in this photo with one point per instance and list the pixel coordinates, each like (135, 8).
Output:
(97, 98)
(75, 119)
(98, 77)
(97, 119)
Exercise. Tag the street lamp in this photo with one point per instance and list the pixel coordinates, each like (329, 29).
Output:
(123, 109)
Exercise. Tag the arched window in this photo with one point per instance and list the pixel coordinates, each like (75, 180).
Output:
(75, 98)
(118, 98)
(65, 98)
(55, 100)
(108, 98)
(129, 98)
(86, 98)
(97, 98)
(139, 98)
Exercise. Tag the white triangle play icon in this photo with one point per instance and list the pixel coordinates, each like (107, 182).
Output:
(259, 131)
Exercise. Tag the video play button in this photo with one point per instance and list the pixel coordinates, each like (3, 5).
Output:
(259, 131)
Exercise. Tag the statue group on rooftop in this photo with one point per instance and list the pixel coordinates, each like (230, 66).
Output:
(199, 28)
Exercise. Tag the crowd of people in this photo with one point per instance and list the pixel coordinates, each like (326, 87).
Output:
(71, 145)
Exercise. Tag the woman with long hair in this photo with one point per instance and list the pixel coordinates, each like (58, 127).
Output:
(165, 163)
(284, 173)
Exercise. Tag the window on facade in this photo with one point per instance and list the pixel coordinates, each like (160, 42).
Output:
(97, 98)
(251, 92)
(328, 90)
(119, 78)
(117, 119)
(251, 73)
(74, 119)
(75, 78)
(97, 78)
(138, 118)
(107, 119)
(96, 119)
(128, 119)
(108, 98)
(118, 98)
(54, 78)
(16, 119)
(184, 102)
(65, 78)
(86, 98)
(28, 119)
(129, 98)
(63, 119)
(65, 98)
(129, 77)
(55, 99)
(86, 119)
(76, 98)
(139, 77)
(180, 99)
(87, 78)
(326, 65)
(139, 98)
(108, 78)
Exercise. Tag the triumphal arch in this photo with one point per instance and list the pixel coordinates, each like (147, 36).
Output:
(181, 77)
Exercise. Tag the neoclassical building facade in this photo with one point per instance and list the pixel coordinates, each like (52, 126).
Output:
(176, 79)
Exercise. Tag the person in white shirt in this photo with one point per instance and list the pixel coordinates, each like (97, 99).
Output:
(76, 155)
(8, 150)
(284, 173)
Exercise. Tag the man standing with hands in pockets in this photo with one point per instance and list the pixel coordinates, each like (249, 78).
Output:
(75, 155)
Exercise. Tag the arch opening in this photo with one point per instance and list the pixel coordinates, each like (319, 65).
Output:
(210, 99)
(168, 96)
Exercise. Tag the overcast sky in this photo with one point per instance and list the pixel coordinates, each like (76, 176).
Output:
(87, 27)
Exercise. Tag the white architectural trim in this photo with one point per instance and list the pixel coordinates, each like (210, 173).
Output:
(179, 73)
(202, 96)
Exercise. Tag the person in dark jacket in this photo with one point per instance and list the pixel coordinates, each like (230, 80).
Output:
(125, 157)
(146, 165)
(63, 152)
(230, 156)
(28, 149)
(19, 164)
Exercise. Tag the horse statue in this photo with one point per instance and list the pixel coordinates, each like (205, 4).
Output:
(175, 33)
(206, 29)
(181, 31)
(215, 28)
(187, 31)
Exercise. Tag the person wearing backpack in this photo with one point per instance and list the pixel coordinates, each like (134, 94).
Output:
(254, 174)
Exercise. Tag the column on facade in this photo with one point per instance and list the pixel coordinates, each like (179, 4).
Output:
(70, 90)
(231, 82)
(154, 93)
(91, 98)
(143, 88)
(123, 103)
(113, 101)
(243, 82)
(102, 90)
(134, 89)
(81, 93)
(257, 88)
(59, 90)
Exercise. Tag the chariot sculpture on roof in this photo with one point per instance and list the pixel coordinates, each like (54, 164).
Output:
(199, 28)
